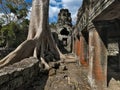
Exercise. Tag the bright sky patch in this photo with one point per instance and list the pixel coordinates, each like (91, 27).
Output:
(56, 5)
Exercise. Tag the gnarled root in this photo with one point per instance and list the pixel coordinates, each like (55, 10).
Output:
(24, 50)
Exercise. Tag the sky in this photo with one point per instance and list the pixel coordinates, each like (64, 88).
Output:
(56, 5)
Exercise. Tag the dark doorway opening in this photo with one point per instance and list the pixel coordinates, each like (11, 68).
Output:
(113, 69)
(64, 41)
(109, 31)
(113, 46)
(64, 32)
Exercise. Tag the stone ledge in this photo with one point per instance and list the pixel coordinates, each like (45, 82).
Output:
(13, 76)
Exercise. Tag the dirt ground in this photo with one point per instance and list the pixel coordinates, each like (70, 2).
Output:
(65, 75)
(68, 75)
(71, 79)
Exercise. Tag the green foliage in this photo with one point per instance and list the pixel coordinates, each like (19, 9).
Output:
(52, 25)
(12, 8)
(13, 32)
(1, 21)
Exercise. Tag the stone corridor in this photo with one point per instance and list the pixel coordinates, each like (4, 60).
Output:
(68, 76)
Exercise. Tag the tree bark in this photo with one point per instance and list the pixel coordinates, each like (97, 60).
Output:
(39, 38)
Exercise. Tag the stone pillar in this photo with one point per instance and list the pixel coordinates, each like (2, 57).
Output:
(83, 51)
(119, 57)
(91, 56)
(77, 47)
(97, 60)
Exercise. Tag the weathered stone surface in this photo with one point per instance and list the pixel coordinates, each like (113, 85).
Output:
(4, 77)
(114, 85)
(4, 87)
(23, 72)
(64, 30)
(98, 24)
(63, 68)
(26, 75)
(52, 72)
(64, 18)
(16, 82)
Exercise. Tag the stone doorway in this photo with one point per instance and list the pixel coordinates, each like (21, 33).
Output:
(113, 65)
(113, 47)
(65, 40)
(64, 31)
(110, 34)
(109, 31)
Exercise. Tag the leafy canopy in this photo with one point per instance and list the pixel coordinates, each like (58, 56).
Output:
(13, 22)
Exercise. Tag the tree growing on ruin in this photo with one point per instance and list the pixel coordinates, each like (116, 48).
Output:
(39, 40)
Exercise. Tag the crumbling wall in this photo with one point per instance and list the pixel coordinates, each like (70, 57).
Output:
(91, 12)
(81, 50)
(97, 60)
(19, 74)
(64, 31)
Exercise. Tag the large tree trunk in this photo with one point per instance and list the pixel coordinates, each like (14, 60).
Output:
(39, 40)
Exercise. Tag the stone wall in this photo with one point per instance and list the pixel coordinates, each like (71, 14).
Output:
(64, 18)
(18, 74)
(91, 10)
(64, 31)
(103, 12)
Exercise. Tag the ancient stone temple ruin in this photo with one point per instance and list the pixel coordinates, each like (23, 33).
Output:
(98, 47)
(95, 45)
(64, 31)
